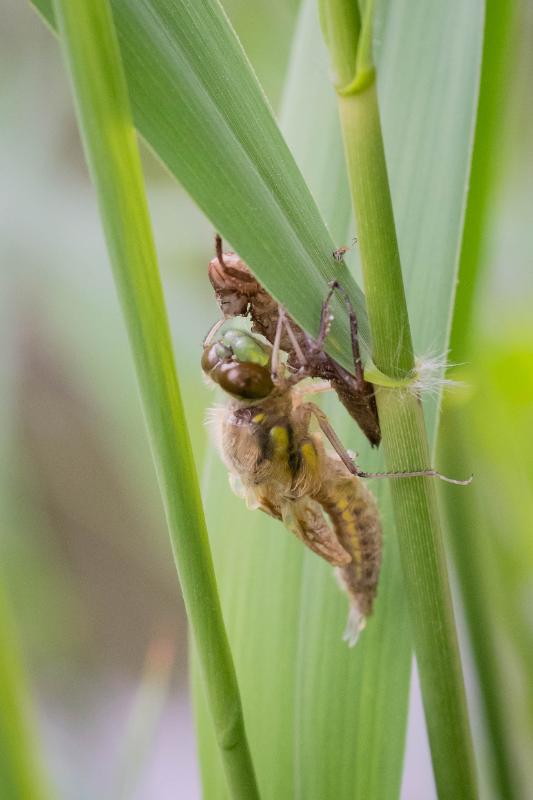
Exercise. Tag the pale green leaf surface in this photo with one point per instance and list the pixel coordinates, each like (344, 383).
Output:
(467, 513)
(315, 708)
(325, 721)
(428, 87)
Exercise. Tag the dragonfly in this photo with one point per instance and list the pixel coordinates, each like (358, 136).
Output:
(278, 464)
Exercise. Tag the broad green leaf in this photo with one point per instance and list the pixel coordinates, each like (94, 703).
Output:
(197, 102)
(338, 727)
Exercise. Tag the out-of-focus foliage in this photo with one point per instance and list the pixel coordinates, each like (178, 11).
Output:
(83, 548)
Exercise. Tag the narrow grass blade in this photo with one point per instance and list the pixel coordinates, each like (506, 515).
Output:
(466, 533)
(486, 167)
(21, 773)
(198, 104)
(93, 61)
(502, 539)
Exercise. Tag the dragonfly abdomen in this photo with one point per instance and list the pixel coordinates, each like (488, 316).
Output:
(354, 516)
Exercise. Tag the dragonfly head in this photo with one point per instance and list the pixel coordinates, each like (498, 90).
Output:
(240, 364)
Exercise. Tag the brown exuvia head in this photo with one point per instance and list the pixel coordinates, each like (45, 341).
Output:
(232, 281)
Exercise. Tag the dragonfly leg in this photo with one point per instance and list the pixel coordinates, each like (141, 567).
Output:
(325, 323)
(354, 331)
(325, 320)
(327, 429)
(213, 329)
(277, 341)
(303, 372)
(333, 439)
(302, 360)
(304, 518)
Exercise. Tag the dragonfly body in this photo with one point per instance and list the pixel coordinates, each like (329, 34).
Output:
(282, 468)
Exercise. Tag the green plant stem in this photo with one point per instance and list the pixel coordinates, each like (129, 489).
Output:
(404, 439)
(426, 584)
(21, 775)
(385, 296)
(93, 61)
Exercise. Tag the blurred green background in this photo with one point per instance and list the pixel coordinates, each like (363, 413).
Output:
(84, 552)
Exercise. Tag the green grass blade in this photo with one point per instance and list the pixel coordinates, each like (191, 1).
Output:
(20, 769)
(197, 102)
(309, 123)
(486, 166)
(93, 61)
(466, 533)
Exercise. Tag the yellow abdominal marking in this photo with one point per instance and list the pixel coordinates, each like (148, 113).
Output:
(280, 440)
(309, 454)
(259, 418)
(350, 529)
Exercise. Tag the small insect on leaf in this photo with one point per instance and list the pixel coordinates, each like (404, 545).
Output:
(340, 252)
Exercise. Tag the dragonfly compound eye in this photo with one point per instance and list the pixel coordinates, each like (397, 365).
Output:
(215, 354)
(247, 381)
(245, 347)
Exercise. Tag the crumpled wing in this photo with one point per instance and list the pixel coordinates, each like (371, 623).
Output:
(302, 516)
(305, 519)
